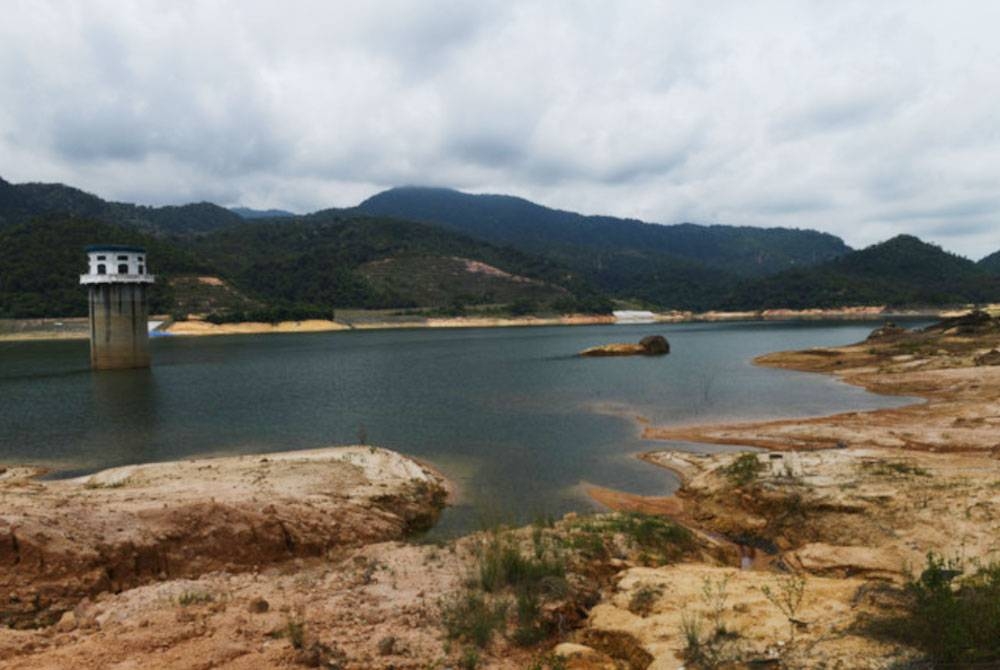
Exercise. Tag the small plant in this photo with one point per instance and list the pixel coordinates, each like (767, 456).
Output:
(720, 647)
(691, 627)
(194, 598)
(642, 601)
(715, 593)
(787, 596)
(530, 628)
(744, 470)
(894, 469)
(549, 661)
(295, 631)
(115, 484)
(468, 616)
(654, 535)
(538, 541)
(501, 564)
(362, 434)
(954, 618)
(469, 659)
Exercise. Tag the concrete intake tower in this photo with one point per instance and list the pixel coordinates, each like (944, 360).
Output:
(117, 277)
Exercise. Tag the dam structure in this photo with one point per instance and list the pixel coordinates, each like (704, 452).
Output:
(117, 279)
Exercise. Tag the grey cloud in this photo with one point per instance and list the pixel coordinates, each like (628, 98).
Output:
(954, 209)
(863, 120)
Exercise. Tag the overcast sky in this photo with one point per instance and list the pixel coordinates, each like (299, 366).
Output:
(863, 119)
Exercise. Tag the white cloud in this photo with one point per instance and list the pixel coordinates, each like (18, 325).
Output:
(866, 120)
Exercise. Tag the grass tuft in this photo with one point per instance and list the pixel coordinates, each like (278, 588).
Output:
(744, 470)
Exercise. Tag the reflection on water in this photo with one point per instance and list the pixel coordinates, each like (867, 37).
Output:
(123, 414)
(510, 414)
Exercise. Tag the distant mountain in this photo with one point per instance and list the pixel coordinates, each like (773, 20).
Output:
(22, 202)
(593, 241)
(682, 266)
(313, 263)
(329, 259)
(445, 250)
(903, 271)
(247, 213)
(351, 260)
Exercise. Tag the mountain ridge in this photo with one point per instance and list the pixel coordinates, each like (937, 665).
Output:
(518, 222)
(340, 257)
(901, 271)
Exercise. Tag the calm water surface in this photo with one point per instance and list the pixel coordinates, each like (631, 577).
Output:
(509, 414)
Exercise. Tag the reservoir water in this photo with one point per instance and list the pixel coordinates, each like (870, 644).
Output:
(511, 415)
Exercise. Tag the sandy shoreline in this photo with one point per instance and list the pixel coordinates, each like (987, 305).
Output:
(859, 498)
(14, 330)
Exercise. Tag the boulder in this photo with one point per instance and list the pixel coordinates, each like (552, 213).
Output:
(652, 345)
(991, 357)
(888, 331)
(975, 322)
(655, 345)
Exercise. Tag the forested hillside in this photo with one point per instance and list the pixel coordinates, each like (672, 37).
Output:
(302, 267)
(314, 260)
(991, 263)
(684, 266)
(596, 241)
(20, 203)
(497, 251)
(248, 213)
(41, 263)
(903, 271)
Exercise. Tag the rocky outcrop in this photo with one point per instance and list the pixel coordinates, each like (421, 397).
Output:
(651, 345)
(888, 331)
(63, 541)
(991, 357)
(976, 322)
(655, 345)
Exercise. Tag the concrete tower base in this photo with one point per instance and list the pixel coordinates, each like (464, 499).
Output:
(119, 337)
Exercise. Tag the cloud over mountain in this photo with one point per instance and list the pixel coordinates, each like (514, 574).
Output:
(861, 119)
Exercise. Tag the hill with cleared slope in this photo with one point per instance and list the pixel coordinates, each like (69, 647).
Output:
(444, 250)
(503, 219)
(683, 266)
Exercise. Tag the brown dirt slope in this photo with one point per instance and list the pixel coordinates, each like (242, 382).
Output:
(62, 541)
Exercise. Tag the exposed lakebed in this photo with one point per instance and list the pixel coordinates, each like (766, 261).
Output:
(511, 415)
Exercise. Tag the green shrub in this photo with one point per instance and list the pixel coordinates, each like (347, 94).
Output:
(642, 601)
(550, 661)
(501, 564)
(295, 631)
(194, 598)
(955, 620)
(744, 470)
(531, 629)
(468, 616)
(273, 314)
(894, 468)
(469, 659)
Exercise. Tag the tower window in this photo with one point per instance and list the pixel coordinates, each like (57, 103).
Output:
(123, 269)
(102, 269)
(123, 258)
(102, 258)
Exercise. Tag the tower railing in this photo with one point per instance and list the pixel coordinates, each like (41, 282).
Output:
(117, 279)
